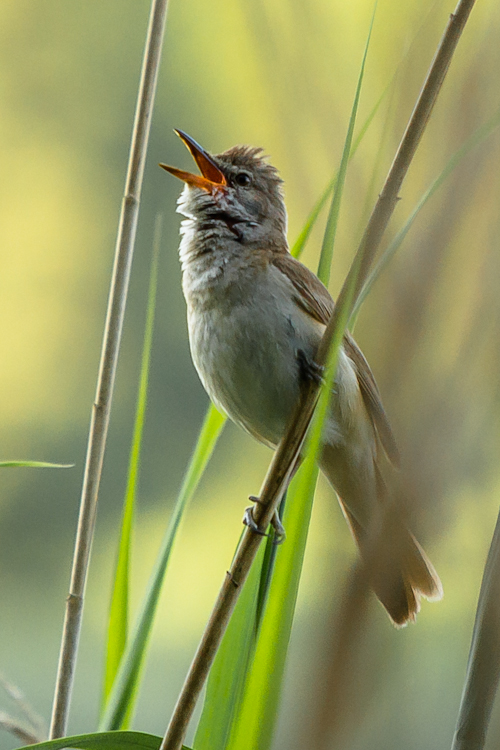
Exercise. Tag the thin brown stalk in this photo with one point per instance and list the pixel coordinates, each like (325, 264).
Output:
(289, 448)
(26, 735)
(109, 358)
(483, 669)
(34, 720)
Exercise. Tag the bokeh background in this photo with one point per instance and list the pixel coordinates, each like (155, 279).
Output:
(280, 74)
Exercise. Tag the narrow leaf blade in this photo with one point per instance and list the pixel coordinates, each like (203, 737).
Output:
(33, 465)
(103, 741)
(124, 692)
(256, 719)
(325, 261)
(228, 672)
(119, 608)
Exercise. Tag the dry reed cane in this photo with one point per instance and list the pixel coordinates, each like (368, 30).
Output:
(107, 369)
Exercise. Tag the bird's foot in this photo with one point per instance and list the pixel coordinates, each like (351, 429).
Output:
(279, 529)
(249, 520)
(309, 369)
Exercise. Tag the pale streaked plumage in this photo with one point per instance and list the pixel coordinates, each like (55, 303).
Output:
(252, 309)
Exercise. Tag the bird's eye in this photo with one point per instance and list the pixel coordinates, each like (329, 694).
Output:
(243, 179)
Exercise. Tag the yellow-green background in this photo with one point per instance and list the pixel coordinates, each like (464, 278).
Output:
(280, 74)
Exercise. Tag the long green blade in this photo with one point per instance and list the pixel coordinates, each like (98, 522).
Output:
(301, 241)
(119, 608)
(227, 676)
(103, 741)
(33, 465)
(256, 717)
(303, 237)
(123, 694)
(254, 724)
(325, 260)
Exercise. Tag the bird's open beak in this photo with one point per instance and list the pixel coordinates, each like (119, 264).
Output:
(211, 178)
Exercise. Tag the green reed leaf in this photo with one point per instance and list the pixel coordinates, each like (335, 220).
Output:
(228, 673)
(103, 741)
(123, 694)
(255, 720)
(33, 465)
(119, 608)
(298, 246)
(326, 256)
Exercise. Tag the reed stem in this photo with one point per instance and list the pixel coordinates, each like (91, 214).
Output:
(107, 370)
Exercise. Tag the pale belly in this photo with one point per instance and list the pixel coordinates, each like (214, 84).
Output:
(246, 357)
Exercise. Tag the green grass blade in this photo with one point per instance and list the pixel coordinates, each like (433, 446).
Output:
(267, 569)
(325, 260)
(123, 694)
(227, 676)
(103, 741)
(254, 723)
(33, 465)
(256, 717)
(119, 608)
(301, 241)
(228, 673)
(477, 137)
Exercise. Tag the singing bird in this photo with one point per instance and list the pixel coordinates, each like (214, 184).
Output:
(256, 316)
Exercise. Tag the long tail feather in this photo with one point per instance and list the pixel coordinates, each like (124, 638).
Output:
(397, 567)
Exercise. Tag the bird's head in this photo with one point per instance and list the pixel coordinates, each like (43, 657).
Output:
(238, 188)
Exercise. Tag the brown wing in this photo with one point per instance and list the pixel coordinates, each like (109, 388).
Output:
(316, 300)
(372, 399)
(311, 295)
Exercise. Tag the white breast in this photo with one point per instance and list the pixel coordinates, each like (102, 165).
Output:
(244, 345)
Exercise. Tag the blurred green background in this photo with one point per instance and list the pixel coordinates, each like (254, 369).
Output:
(280, 74)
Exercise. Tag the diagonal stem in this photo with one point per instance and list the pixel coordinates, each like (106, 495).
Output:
(107, 370)
(290, 446)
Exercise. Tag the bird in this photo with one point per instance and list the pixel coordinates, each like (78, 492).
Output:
(256, 316)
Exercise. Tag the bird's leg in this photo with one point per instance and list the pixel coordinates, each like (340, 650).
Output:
(309, 369)
(279, 529)
(249, 520)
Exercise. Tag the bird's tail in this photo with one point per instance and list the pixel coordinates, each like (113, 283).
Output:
(398, 570)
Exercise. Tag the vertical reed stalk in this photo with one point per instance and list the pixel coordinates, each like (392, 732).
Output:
(107, 369)
(483, 669)
(290, 445)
